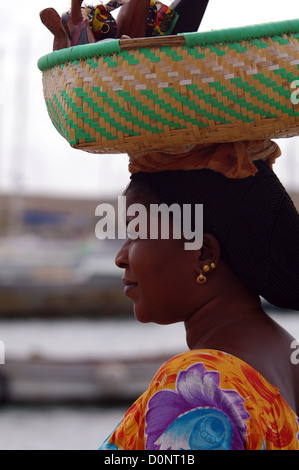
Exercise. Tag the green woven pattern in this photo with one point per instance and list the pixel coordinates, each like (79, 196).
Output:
(231, 35)
(133, 100)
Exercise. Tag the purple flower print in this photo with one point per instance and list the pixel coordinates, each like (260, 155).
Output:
(198, 414)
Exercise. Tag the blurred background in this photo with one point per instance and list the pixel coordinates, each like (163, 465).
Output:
(74, 356)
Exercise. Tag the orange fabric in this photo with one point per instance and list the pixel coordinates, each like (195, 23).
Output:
(232, 159)
(207, 399)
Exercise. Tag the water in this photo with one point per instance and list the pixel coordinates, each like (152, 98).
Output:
(97, 339)
(82, 427)
(88, 339)
(56, 428)
(74, 427)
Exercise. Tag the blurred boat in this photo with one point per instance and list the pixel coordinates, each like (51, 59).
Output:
(39, 381)
(59, 278)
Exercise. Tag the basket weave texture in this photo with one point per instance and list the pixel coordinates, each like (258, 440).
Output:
(133, 95)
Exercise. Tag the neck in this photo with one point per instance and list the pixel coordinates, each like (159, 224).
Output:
(218, 323)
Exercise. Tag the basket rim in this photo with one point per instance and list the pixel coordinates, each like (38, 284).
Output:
(201, 39)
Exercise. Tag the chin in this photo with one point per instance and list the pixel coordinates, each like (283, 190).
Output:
(142, 317)
(145, 316)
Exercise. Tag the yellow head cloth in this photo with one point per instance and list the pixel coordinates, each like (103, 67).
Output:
(231, 159)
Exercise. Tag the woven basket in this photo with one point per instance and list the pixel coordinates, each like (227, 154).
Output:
(133, 95)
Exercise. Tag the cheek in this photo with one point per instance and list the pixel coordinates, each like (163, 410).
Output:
(164, 264)
(154, 260)
(166, 285)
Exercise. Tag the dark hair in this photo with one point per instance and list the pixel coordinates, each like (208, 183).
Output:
(253, 218)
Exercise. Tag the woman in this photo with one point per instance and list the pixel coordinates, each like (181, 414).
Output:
(236, 387)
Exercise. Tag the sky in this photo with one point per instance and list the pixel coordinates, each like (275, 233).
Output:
(34, 158)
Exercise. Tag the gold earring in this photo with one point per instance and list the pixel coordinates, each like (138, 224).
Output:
(201, 279)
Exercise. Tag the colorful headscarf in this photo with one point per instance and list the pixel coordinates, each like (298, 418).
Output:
(232, 159)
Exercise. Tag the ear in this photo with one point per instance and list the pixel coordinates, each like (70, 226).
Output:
(210, 251)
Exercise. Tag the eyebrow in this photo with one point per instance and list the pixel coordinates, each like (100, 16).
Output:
(129, 219)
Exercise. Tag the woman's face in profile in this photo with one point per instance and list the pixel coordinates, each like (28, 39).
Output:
(159, 274)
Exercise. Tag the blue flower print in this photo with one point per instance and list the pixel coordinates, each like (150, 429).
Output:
(198, 414)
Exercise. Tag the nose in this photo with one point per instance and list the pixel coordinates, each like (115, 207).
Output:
(121, 257)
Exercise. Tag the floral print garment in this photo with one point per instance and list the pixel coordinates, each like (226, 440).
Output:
(207, 400)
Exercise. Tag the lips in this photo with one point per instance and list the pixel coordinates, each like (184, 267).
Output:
(129, 285)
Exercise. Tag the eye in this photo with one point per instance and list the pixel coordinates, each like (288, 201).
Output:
(135, 230)
(132, 235)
